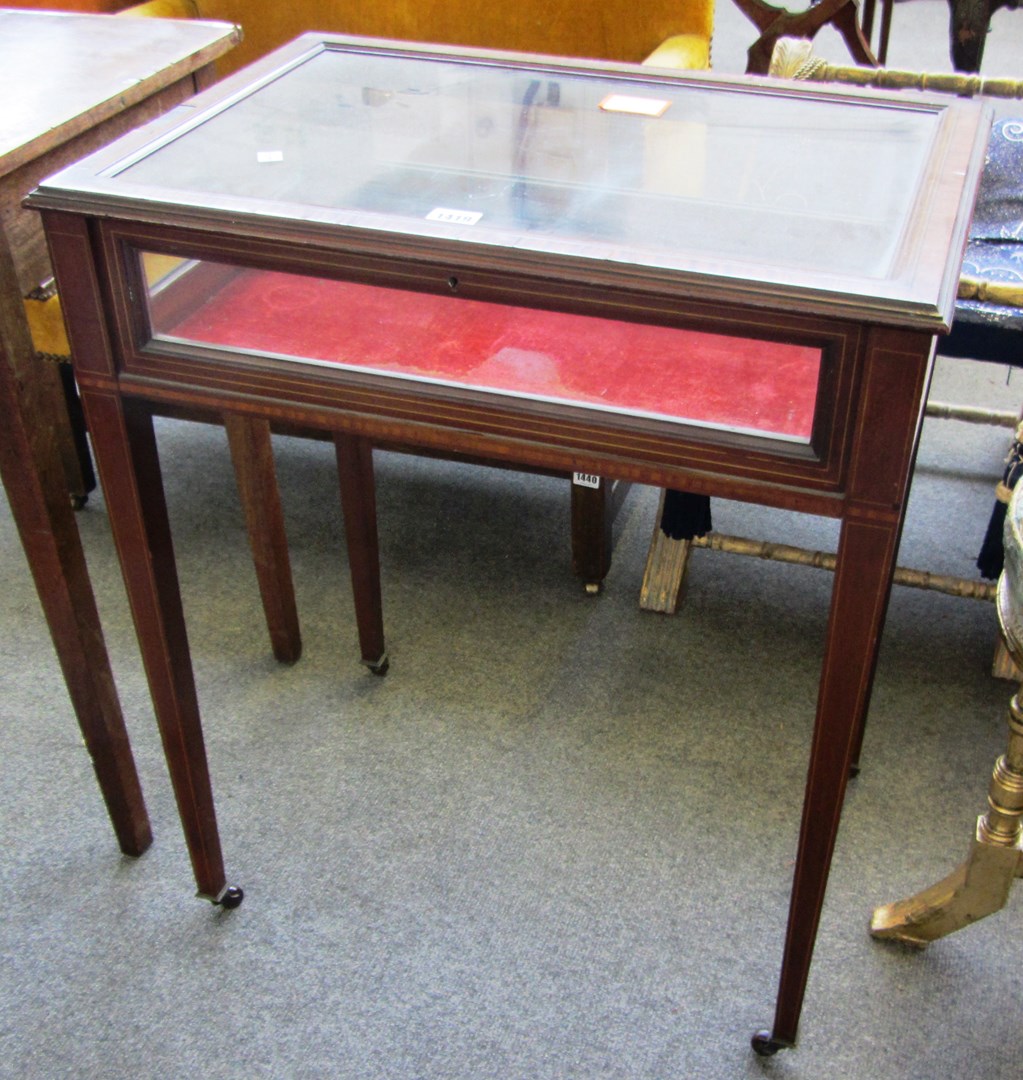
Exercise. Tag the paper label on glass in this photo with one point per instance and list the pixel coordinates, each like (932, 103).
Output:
(638, 106)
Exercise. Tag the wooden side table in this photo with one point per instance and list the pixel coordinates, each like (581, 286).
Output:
(70, 84)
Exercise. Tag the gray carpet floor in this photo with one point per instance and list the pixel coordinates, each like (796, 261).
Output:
(556, 841)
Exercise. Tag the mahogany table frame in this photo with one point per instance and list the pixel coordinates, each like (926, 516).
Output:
(856, 470)
(76, 120)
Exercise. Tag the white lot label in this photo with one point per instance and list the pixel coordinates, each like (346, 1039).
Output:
(638, 106)
(454, 217)
(584, 479)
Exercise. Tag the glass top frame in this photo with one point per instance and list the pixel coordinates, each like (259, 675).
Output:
(919, 185)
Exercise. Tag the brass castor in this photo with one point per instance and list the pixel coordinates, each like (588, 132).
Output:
(231, 898)
(766, 1045)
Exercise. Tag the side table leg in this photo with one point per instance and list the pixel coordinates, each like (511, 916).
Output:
(33, 477)
(252, 455)
(126, 455)
(980, 886)
(358, 505)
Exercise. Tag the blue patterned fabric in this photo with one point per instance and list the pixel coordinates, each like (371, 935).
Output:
(985, 331)
(994, 252)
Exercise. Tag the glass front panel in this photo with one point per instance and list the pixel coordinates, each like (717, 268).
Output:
(663, 174)
(714, 380)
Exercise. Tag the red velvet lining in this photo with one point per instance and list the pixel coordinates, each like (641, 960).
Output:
(686, 374)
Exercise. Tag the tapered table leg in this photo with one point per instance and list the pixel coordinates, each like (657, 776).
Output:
(358, 505)
(252, 455)
(594, 505)
(33, 476)
(129, 468)
(896, 371)
(857, 616)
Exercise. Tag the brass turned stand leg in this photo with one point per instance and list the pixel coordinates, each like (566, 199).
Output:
(981, 885)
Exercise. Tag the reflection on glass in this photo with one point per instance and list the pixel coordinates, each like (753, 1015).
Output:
(679, 171)
(736, 383)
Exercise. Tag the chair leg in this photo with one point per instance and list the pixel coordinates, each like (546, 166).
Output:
(682, 519)
(968, 26)
(980, 886)
(666, 570)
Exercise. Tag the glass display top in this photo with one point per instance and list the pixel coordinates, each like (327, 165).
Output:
(798, 188)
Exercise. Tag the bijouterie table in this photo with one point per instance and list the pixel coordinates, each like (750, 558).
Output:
(728, 287)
